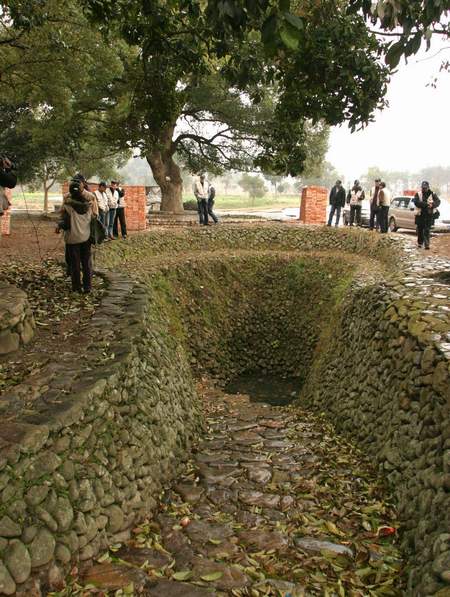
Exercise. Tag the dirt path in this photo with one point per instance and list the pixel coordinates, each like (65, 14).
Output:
(272, 503)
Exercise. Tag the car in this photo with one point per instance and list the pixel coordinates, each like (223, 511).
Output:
(365, 213)
(402, 214)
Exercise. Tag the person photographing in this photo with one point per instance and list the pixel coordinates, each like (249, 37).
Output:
(8, 180)
(78, 209)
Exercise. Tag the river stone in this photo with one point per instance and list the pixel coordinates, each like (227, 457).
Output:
(310, 544)
(152, 558)
(260, 475)
(63, 514)
(18, 561)
(112, 577)
(200, 531)
(189, 492)
(115, 518)
(62, 553)
(9, 341)
(8, 528)
(263, 540)
(7, 584)
(169, 588)
(42, 548)
(36, 494)
(232, 576)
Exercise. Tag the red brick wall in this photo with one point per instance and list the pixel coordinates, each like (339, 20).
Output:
(5, 219)
(135, 204)
(313, 206)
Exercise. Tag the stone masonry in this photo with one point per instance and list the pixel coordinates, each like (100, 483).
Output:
(16, 319)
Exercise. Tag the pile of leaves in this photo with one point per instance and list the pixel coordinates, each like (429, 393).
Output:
(58, 312)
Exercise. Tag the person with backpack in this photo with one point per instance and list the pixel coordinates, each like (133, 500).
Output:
(426, 203)
(78, 210)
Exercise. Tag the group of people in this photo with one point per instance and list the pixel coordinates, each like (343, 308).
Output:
(425, 200)
(205, 195)
(83, 214)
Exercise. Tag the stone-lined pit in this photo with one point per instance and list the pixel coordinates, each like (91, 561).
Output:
(366, 339)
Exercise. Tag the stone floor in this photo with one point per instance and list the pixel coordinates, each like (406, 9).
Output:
(271, 503)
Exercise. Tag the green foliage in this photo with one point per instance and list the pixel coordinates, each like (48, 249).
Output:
(253, 185)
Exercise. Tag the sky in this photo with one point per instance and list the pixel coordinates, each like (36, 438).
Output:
(412, 133)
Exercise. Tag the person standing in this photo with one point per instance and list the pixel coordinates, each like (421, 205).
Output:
(374, 206)
(8, 179)
(102, 202)
(120, 215)
(201, 192)
(211, 198)
(355, 197)
(384, 202)
(337, 202)
(426, 203)
(77, 211)
(113, 201)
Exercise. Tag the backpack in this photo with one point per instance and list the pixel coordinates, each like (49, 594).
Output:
(98, 232)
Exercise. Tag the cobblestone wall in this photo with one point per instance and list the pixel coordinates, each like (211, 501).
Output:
(16, 318)
(106, 434)
(382, 376)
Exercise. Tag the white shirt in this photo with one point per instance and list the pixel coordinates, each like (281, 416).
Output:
(102, 200)
(201, 190)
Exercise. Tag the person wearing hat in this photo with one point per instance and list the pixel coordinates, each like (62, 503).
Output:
(374, 206)
(355, 197)
(426, 203)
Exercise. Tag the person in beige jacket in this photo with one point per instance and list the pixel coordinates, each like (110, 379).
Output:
(78, 209)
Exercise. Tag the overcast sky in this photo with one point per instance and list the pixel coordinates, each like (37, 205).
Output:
(414, 132)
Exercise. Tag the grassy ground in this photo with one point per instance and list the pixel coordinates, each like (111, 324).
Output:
(269, 201)
(35, 201)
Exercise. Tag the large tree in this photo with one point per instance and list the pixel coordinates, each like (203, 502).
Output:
(238, 84)
(56, 77)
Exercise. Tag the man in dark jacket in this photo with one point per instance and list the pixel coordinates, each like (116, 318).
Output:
(8, 180)
(426, 203)
(375, 211)
(337, 202)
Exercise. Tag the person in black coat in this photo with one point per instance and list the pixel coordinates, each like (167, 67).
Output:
(8, 177)
(426, 203)
(337, 202)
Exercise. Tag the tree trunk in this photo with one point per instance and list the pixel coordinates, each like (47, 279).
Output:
(167, 174)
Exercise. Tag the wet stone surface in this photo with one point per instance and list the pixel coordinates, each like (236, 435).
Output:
(299, 514)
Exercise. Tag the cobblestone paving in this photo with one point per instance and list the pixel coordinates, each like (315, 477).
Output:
(271, 503)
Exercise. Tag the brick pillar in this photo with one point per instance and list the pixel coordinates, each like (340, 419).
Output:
(5, 219)
(313, 206)
(135, 204)
(409, 193)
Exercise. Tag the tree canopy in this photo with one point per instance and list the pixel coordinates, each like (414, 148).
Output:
(215, 84)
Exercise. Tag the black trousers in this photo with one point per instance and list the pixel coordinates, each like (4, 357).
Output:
(210, 211)
(383, 218)
(335, 209)
(120, 217)
(355, 214)
(80, 261)
(423, 235)
(374, 221)
(202, 205)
